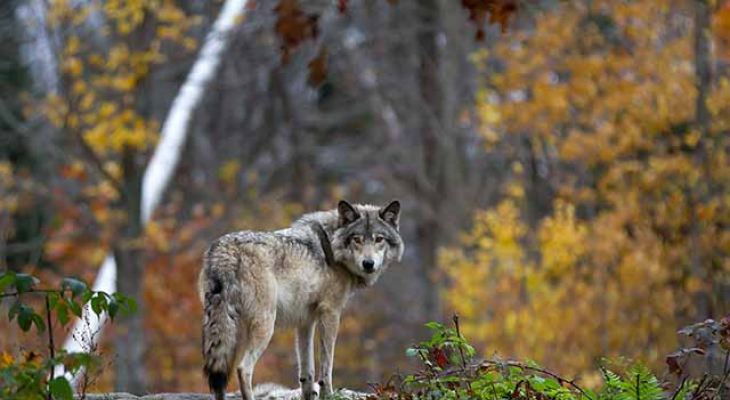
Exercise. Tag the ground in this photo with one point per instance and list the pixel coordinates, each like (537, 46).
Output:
(265, 391)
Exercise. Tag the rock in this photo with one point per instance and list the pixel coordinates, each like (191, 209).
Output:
(265, 391)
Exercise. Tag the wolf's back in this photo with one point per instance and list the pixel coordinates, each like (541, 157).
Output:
(220, 291)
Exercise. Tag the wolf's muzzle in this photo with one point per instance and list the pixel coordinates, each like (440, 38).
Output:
(368, 266)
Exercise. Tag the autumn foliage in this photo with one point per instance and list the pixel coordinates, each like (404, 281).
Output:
(606, 228)
(633, 236)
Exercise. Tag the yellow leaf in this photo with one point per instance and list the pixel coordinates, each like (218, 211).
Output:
(229, 171)
(73, 66)
(6, 359)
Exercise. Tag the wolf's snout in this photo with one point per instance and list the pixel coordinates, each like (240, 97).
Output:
(368, 265)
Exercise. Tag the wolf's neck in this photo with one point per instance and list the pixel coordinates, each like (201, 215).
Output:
(327, 219)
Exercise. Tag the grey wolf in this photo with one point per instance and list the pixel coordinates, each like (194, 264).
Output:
(299, 277)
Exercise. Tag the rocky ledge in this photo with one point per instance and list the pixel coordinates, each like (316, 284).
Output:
(262, 392)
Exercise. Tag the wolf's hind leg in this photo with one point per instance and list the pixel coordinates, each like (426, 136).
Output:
(305, 357)
(259, 327)
(259, 335)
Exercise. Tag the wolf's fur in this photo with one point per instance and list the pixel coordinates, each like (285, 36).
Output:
(295, 277)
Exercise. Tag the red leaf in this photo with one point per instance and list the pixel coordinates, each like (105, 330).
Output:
(318, 68)
(499, 12)
(439, 357)
(293, 26)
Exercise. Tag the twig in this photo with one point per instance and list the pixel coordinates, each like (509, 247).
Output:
(461, 349)
(89, 151)
(699, 388)
(542, 371)
(724, 377)
(16, 294)
(51, 345)
(679, 389)
(458, 333)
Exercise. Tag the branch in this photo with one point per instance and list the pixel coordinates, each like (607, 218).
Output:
(548, 373)
(51, 345)
(493, 364)
(16, 294)
(91, 154)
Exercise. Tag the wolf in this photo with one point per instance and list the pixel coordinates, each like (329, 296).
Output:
(299, 277)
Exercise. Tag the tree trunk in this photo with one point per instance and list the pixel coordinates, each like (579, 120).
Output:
(703, 73)
(700, 192)
(427, 227)
(130, 373)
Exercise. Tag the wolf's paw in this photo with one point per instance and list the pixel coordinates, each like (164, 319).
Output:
(325, 391)
(311, 394)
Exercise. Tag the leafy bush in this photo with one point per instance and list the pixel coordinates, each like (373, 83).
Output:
(450, 371)
(32, 376)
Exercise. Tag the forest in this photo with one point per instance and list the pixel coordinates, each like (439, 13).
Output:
(563, 168)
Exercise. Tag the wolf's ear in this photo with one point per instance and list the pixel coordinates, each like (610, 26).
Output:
(391, 213)
(347, 212)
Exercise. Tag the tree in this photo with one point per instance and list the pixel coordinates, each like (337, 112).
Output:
(120, 133)
(607, 218)
(261, 120)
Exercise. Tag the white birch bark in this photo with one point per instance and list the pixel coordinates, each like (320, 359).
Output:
(162, 165)
(37, 49)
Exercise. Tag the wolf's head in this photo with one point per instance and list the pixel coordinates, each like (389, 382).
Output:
(367, 240)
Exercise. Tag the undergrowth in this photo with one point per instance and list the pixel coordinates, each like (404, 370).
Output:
(450, 370)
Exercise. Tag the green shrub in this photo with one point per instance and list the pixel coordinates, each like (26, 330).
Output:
(449, 370)
(32, 376)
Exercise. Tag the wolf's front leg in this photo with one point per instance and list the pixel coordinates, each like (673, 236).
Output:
(329, 323)
(305, 356)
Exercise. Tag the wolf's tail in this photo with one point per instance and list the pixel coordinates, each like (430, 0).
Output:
(219, 325)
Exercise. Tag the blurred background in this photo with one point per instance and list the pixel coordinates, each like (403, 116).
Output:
(563, 168)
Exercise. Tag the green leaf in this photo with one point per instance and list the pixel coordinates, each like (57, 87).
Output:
(87, 296)
(434, 325)
(25, 317)
(23, 282)
(53, 298)
(411, 352)
(76, 286)
(113, 308)
(62, 313)
(75, 307)
(6, 280)
(130, 305)
(61, 389)
(125, 304)
(99, 303)
(40, 326)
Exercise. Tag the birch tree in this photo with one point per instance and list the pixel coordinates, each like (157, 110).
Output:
(110, 120)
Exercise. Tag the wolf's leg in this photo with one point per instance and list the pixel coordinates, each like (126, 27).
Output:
(259, 327)
(259, 335)
(329, 323)
(305, 357)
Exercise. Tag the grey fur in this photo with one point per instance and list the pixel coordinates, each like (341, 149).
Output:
(299, 277)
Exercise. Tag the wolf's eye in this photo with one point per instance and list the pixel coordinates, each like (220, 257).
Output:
(357, 239)
(378, 239)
